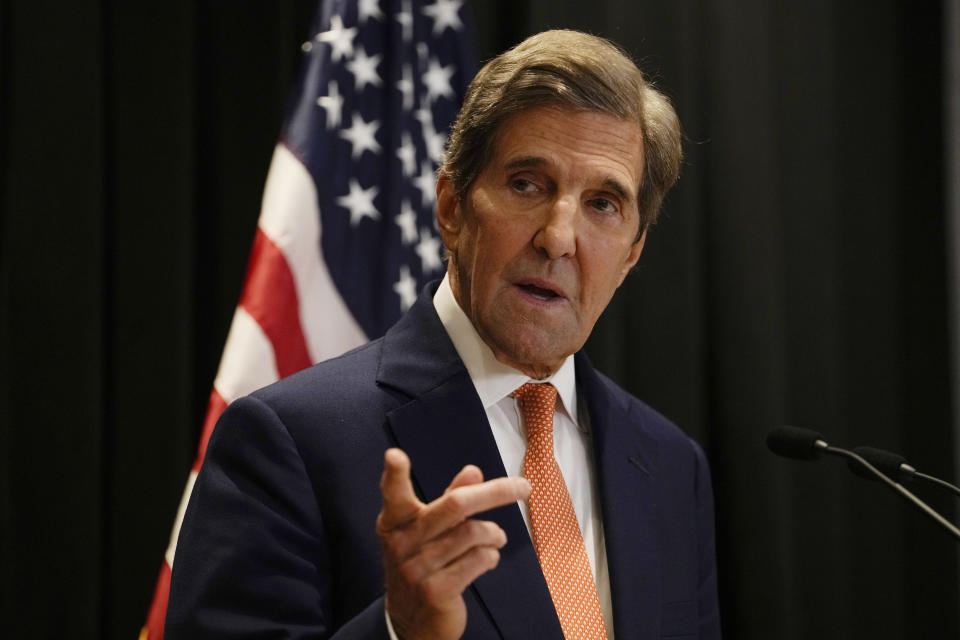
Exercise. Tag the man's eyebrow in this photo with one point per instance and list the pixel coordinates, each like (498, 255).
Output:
(622, 191)
(539, 161)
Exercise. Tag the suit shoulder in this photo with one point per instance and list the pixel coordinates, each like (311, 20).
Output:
(348, 377)
(335, 411)
(650, 420)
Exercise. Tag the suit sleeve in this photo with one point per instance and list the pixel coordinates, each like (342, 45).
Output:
(252, 559)
(708, 605)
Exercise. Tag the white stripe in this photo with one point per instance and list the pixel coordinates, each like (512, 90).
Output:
(248, 362)
(175, 534)
(290, 217)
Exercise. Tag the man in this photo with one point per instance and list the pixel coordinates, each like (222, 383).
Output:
(596, 519)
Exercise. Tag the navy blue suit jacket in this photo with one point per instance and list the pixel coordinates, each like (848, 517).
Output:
(279, 538)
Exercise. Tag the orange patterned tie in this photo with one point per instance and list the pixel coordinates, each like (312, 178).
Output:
(556, 533)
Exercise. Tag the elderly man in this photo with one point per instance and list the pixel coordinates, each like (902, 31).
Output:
(596, 518)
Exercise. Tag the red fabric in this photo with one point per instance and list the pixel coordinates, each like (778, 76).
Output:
(153, 629)
(215, 407)
(270, 297)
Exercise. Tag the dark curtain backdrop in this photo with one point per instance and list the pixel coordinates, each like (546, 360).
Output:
(797, 276)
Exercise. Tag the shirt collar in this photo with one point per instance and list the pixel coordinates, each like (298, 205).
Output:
(493, 379)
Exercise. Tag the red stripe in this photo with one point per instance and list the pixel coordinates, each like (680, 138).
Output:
(153, 629)
(215, 407)
(270, 297)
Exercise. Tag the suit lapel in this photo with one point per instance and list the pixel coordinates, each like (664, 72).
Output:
(626, 459)
(443, 427)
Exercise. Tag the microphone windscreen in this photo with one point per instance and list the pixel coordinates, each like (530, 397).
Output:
(886, 462)
(793, 442)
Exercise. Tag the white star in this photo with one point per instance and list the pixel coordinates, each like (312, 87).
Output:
(437, 80)
(369, 9)
(364, 69)
(407, 154)
(425, 116)
(426, 182)
(332, 104)
(406, 288)
(405, 85)
(340, 39)
(360, 203)
(435, 142)
(445, 13)
(405, 18)
(407, 221)
(429, 251)
(362, 136)
(431, 138)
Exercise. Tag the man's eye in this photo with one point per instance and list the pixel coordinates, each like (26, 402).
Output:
(523, 185)
(604, 205)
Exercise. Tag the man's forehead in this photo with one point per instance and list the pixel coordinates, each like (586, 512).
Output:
(608, 139)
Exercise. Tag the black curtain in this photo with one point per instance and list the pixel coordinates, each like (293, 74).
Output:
(797, 276)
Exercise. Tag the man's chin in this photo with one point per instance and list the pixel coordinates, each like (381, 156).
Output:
(537, 354)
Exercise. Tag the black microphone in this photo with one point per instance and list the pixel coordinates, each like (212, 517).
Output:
(892, 465)
(804, 444)
(795, 442)
(895, 467)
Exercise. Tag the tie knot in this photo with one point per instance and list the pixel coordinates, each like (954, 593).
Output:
(537, 401)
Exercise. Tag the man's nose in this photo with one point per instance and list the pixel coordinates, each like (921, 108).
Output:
(557, 235)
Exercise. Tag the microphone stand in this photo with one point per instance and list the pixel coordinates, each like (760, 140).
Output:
(937, 481)
(896, 486)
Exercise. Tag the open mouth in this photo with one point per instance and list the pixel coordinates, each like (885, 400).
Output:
(539, 292)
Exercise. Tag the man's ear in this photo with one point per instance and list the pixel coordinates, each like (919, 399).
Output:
(449, 214)
(633, 256)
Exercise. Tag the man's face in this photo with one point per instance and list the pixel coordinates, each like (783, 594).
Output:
(546, 233)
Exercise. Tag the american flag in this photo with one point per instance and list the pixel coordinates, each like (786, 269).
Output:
(346, 234)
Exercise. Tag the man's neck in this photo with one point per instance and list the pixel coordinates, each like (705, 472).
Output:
(492, 378)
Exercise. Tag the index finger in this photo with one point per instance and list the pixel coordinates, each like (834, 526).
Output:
(400, 502)
(470, 474)
(459, 504)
